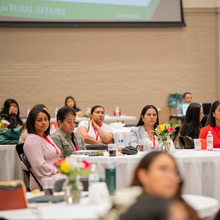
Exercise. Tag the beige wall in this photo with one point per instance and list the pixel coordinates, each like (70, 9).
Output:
(128, 67)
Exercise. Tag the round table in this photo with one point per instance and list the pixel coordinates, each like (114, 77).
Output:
(200, 170)
(206, 208)
(10, 165)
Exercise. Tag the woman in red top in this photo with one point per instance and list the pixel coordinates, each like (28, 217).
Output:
(213, 125)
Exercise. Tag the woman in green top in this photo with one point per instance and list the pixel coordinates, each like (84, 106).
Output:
(64, 137)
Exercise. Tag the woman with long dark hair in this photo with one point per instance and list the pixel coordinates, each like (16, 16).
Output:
(148, 121)
(213, 124)
(192, 122)
(23, 131)
(157, 174)
(70, 101)
(11, 113)
(39, 148)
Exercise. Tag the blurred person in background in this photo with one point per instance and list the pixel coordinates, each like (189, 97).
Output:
(70, 101)
(11, 113)
(192, 122)
(187, 98)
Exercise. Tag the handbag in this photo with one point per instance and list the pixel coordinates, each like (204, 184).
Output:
(9, 136)
(129, 150)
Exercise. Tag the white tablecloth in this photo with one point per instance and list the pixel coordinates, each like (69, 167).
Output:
(200, 170)
(10, 165)
(108, 118)
(206, 207)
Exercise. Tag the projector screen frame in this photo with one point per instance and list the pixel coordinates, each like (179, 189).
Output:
(82, 24)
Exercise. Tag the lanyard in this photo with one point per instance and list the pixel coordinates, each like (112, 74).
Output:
(153, 141)
(76, 148)
(49, 143)
(96, 133)
(217, 131)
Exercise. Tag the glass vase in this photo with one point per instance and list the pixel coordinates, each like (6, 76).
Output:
(164, 144)
(72, 190)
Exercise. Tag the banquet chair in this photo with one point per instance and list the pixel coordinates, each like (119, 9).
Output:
(25, 163)
(175, 133)
(187, 142)
(96, 147)
(58, 186)
(14, 195)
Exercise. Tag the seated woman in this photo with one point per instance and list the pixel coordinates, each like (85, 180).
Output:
(213, 124)
(23, 131)
(192, 122)
(39, 148)
(94, 131)
(156, 175)
(64, 137)
(70, 101)
(148, 121)
(10, 112)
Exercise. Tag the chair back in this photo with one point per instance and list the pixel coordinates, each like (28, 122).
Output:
(96, 147)
(58, 186)
(187, 142)
(176, 132)
(12, 195)
(25, 163)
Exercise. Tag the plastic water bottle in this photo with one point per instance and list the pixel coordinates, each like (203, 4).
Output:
(121, 142)
(56, 112)
(117, 111)
(209, 139)
(53, 129)
(147, 142)
(28, 112)
(94, 176)
(110, 177)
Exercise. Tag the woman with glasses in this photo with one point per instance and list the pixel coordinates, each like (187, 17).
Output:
(148, 121)
(10, 112)
(156, 176)
(64, 137)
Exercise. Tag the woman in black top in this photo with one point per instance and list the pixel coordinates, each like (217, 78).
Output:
(10, 112)
(192, 122)
(70, 101)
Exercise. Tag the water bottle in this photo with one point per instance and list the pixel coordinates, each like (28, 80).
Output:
(146, 142)
(117, 111)
(94, 176)
(28, 112)
(110, 177)
(209, 139)
(56, 112)
(53, 129)
(121, 140)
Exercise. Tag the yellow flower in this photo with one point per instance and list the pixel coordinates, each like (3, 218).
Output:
(65, 167)
(162, 127)
(0, 124)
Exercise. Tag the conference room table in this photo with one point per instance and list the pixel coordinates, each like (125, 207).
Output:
(10, 165)
(200, 170)
(206, 208)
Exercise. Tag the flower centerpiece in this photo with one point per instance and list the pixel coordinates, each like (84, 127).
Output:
(163, 132)
(73, 169)
(88, 112)
(3, 124)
